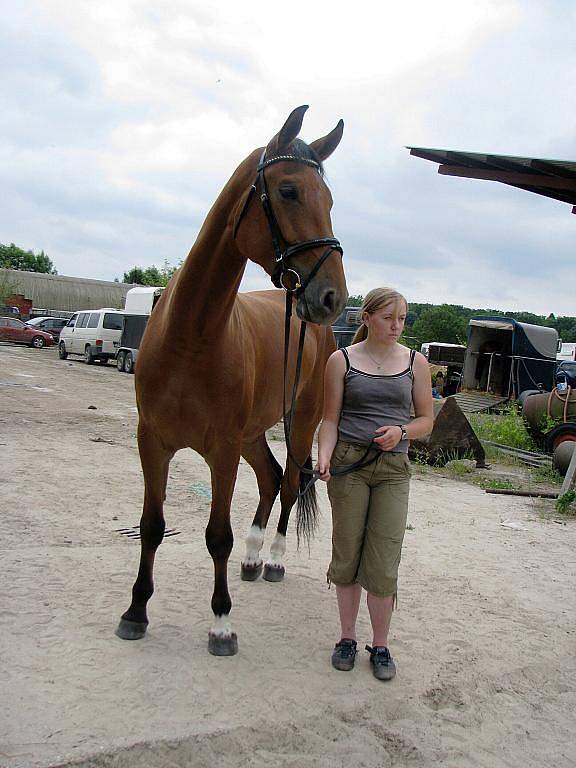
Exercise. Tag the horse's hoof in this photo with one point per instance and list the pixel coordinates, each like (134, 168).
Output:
(250, 572)
(223, 645)
(274, 572)
(131, 630)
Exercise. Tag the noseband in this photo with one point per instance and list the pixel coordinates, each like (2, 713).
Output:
(285, 276)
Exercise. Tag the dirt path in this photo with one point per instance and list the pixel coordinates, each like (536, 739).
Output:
(484, 636)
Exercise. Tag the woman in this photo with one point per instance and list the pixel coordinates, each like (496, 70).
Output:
(371, 388)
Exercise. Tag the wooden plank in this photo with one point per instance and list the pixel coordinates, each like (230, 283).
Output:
(512, 492)
(570, 475)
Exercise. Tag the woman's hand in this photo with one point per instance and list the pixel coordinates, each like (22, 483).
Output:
(388, 437)
(323, 469)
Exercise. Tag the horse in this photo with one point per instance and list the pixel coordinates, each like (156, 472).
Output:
(209, 374)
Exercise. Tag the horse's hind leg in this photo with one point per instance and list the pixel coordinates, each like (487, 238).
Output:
(300, 445)
(155, 461)
(269, 476)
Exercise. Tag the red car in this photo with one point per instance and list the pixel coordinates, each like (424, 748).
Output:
(20, 333)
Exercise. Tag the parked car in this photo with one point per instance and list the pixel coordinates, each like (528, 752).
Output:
(20, 333)
(9, 311)
(52, 325)
(92, 333)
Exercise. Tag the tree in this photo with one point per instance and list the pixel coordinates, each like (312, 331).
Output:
(7, 288)
(443, 323)
(12, 257)
(150, 275)
(355, 301)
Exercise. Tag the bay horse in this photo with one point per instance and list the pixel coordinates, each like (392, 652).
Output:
(210, 368)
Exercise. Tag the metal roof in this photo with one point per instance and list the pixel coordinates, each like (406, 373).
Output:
(58, 292)
(551, 178)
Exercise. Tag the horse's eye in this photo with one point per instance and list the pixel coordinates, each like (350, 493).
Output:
(289, 193)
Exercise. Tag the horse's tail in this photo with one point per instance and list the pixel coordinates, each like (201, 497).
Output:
(307, 507)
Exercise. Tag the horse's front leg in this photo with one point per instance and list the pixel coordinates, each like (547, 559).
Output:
(222, 640)
(269, 476)
(155, 461)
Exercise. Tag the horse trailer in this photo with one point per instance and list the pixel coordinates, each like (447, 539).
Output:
(140, 302)
(505, 357)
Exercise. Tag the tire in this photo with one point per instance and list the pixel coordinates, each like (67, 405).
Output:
(129, 363)
(62, 354)
(38, 342)
(560, 434)
(120, 360)
(88, 356)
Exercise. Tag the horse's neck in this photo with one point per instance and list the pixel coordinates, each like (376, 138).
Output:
(204, 290)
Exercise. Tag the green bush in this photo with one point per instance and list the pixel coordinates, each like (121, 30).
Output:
(565, 503)
(507, 428)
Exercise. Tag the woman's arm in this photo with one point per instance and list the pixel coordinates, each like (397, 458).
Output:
(333, 394)
(389, 437)
(423, 422)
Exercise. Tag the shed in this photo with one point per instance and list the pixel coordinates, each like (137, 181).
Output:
(58, 293)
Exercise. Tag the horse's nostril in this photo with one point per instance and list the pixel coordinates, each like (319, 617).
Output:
(329, 300)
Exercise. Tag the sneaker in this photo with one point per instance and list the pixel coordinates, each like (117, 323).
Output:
(383, 667)
(344, 655)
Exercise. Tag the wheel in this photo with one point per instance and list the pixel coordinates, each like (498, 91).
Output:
(129, 363)
(560, 434)
(88, 356)
(120, 359)
(62, 354)
(37, 342)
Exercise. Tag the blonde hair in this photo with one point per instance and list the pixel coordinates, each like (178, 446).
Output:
(373, 301)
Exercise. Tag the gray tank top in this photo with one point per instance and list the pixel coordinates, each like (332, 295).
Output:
(374, 400)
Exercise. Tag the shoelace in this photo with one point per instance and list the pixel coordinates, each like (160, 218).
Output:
(346, 648)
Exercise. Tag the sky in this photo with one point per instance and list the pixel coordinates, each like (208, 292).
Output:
(121, 121)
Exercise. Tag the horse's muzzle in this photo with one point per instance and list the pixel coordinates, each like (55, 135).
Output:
(320, 305)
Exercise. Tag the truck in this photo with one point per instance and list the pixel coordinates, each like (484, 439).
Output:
(140, 302)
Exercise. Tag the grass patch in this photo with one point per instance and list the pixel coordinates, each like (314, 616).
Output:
(458, 468)
(495, 484)
(507, 428)
(547, 475)
(565, 504)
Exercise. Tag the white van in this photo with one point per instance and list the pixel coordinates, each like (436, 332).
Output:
(92, 333)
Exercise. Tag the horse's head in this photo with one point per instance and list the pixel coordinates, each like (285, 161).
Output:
(287, 228)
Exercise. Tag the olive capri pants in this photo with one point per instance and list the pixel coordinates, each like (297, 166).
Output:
(369, 510)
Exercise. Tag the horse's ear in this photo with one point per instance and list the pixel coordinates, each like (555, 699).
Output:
(325, 146)
(288, 132)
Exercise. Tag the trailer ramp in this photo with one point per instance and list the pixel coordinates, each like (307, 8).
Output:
(475, 402)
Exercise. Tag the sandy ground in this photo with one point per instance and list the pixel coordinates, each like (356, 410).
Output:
(484, 636)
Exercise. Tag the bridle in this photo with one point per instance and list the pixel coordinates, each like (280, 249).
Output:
(286, 277)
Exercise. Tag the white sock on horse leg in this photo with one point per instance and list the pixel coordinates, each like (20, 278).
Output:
(277, 550)
(254, 542)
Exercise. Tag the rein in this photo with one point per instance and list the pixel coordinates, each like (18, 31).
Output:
(286, 277)
(345, 469)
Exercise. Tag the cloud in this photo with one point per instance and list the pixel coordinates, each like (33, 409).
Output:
(121, 122)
